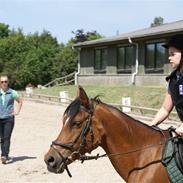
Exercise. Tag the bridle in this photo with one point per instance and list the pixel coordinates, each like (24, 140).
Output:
(70, 146)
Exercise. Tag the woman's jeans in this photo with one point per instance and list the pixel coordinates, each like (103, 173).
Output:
(6, 128)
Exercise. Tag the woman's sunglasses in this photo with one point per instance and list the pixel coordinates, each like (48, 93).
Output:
(4, 81)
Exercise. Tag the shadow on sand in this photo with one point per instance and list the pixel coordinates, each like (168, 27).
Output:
(19, 158)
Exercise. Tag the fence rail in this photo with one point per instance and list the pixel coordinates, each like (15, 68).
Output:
(62, 80)
(143, 111)
(46, 98)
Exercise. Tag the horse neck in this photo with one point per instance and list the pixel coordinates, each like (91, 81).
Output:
(121, 134)
(120, 128)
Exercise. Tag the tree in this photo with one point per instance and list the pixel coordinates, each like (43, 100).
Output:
(157, 21)
(37, 58)
(28, 59)
(81, 36)
(12, 50)
(4, 30)
(93, 35)
(65, 61)
(40, 58)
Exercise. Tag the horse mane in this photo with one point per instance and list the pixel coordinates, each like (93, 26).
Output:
(97, 99)
(73, 109)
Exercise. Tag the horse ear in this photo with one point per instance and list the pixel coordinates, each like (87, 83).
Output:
(83, 97)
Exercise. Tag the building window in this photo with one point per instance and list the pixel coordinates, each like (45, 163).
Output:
(125, 59)
(100, 60)
(155, 57)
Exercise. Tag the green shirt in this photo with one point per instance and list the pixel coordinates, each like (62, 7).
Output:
(14, 93)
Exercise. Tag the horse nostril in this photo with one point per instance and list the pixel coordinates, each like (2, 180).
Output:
(50, 161)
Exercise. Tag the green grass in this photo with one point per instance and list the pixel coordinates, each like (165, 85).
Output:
(140, 95)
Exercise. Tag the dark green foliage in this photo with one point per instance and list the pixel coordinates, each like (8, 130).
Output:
(65, 61)
(28, 59)
(80, 36)
(35, 58)
(157, 21)
(4, 30)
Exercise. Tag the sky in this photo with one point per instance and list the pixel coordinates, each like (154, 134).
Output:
(107, 17)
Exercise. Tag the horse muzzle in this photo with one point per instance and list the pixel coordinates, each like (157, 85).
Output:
(56, 165)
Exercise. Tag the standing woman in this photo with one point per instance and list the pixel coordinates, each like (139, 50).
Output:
(174, 94)
(7, 115)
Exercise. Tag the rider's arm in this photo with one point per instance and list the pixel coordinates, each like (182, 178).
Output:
(164, 111)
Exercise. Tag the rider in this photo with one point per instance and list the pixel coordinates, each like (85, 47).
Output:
(174, 94)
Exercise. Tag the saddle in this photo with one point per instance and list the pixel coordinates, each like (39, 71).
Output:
(178, 145)
(172, 158)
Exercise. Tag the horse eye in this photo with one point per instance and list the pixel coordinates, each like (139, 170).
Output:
(76, 124)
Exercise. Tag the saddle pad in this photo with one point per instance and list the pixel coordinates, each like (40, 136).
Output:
(179, 152)
(174, 173)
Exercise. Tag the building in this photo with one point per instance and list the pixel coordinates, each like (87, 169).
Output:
(132, 58)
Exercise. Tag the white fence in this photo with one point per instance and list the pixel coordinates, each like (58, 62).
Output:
(143, 111)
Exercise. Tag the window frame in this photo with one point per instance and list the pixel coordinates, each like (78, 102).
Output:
(155, 69)
(100, 70)
(124, 70)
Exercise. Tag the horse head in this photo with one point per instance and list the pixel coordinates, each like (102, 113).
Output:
(79, 134)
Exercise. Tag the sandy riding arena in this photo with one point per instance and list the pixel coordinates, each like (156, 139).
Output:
(36, 127)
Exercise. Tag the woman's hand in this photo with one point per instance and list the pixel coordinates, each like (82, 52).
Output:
(179, 130)
(15, 113)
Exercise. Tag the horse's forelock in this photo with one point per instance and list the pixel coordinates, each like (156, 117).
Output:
(72, 109)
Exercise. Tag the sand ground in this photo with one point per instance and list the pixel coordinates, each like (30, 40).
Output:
(36, 127)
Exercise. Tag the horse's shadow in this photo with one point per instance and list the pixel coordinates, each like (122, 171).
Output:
(19, 158)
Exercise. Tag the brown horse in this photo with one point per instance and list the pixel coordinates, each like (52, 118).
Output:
(134, 149)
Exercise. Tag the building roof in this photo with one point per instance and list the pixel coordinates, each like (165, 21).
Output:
(166, 28)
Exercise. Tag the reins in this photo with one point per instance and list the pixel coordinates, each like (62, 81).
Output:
(84, 157)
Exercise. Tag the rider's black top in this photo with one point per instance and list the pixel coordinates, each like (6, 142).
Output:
(176, 91)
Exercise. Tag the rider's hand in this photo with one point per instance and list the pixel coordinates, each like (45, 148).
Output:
(179, 130)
